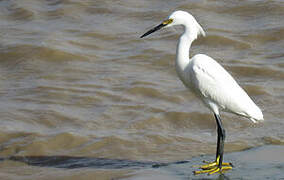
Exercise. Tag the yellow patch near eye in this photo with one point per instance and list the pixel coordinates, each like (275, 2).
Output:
(168, 21)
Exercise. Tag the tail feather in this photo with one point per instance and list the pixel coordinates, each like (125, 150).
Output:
(255, 115)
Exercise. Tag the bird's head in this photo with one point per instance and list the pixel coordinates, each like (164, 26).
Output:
(179, 18)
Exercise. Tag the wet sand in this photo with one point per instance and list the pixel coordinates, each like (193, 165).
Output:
(266, 162)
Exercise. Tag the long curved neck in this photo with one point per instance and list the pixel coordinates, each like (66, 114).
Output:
(182, 51)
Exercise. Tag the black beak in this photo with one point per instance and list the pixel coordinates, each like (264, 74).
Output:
(153, 30)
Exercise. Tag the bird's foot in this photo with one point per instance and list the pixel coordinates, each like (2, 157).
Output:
(213, 167)
(213, 170)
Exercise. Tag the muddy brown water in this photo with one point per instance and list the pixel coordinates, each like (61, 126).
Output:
(77, 81)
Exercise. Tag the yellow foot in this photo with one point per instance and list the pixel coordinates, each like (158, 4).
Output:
(213, 165)
(214, 170)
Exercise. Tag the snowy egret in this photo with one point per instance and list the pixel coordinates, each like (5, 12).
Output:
(210, 82)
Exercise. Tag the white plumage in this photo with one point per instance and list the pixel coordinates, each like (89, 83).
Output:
(216, 87)
(207, 78)
(210, 82)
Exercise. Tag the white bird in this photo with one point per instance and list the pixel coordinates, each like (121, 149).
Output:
(210, 82)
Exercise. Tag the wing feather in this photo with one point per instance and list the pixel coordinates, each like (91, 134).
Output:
(216, 85)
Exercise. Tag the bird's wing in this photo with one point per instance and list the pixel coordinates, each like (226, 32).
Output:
(216, 85)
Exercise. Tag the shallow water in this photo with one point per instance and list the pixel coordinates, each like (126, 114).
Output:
(76, 80)
(250, 164)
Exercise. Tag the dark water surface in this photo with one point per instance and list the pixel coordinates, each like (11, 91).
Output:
(77, 81)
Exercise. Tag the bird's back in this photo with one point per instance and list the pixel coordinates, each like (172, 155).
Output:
(217, 87)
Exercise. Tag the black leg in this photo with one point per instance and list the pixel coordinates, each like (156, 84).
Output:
(218, 166)
(221, 139)
(218, 142)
